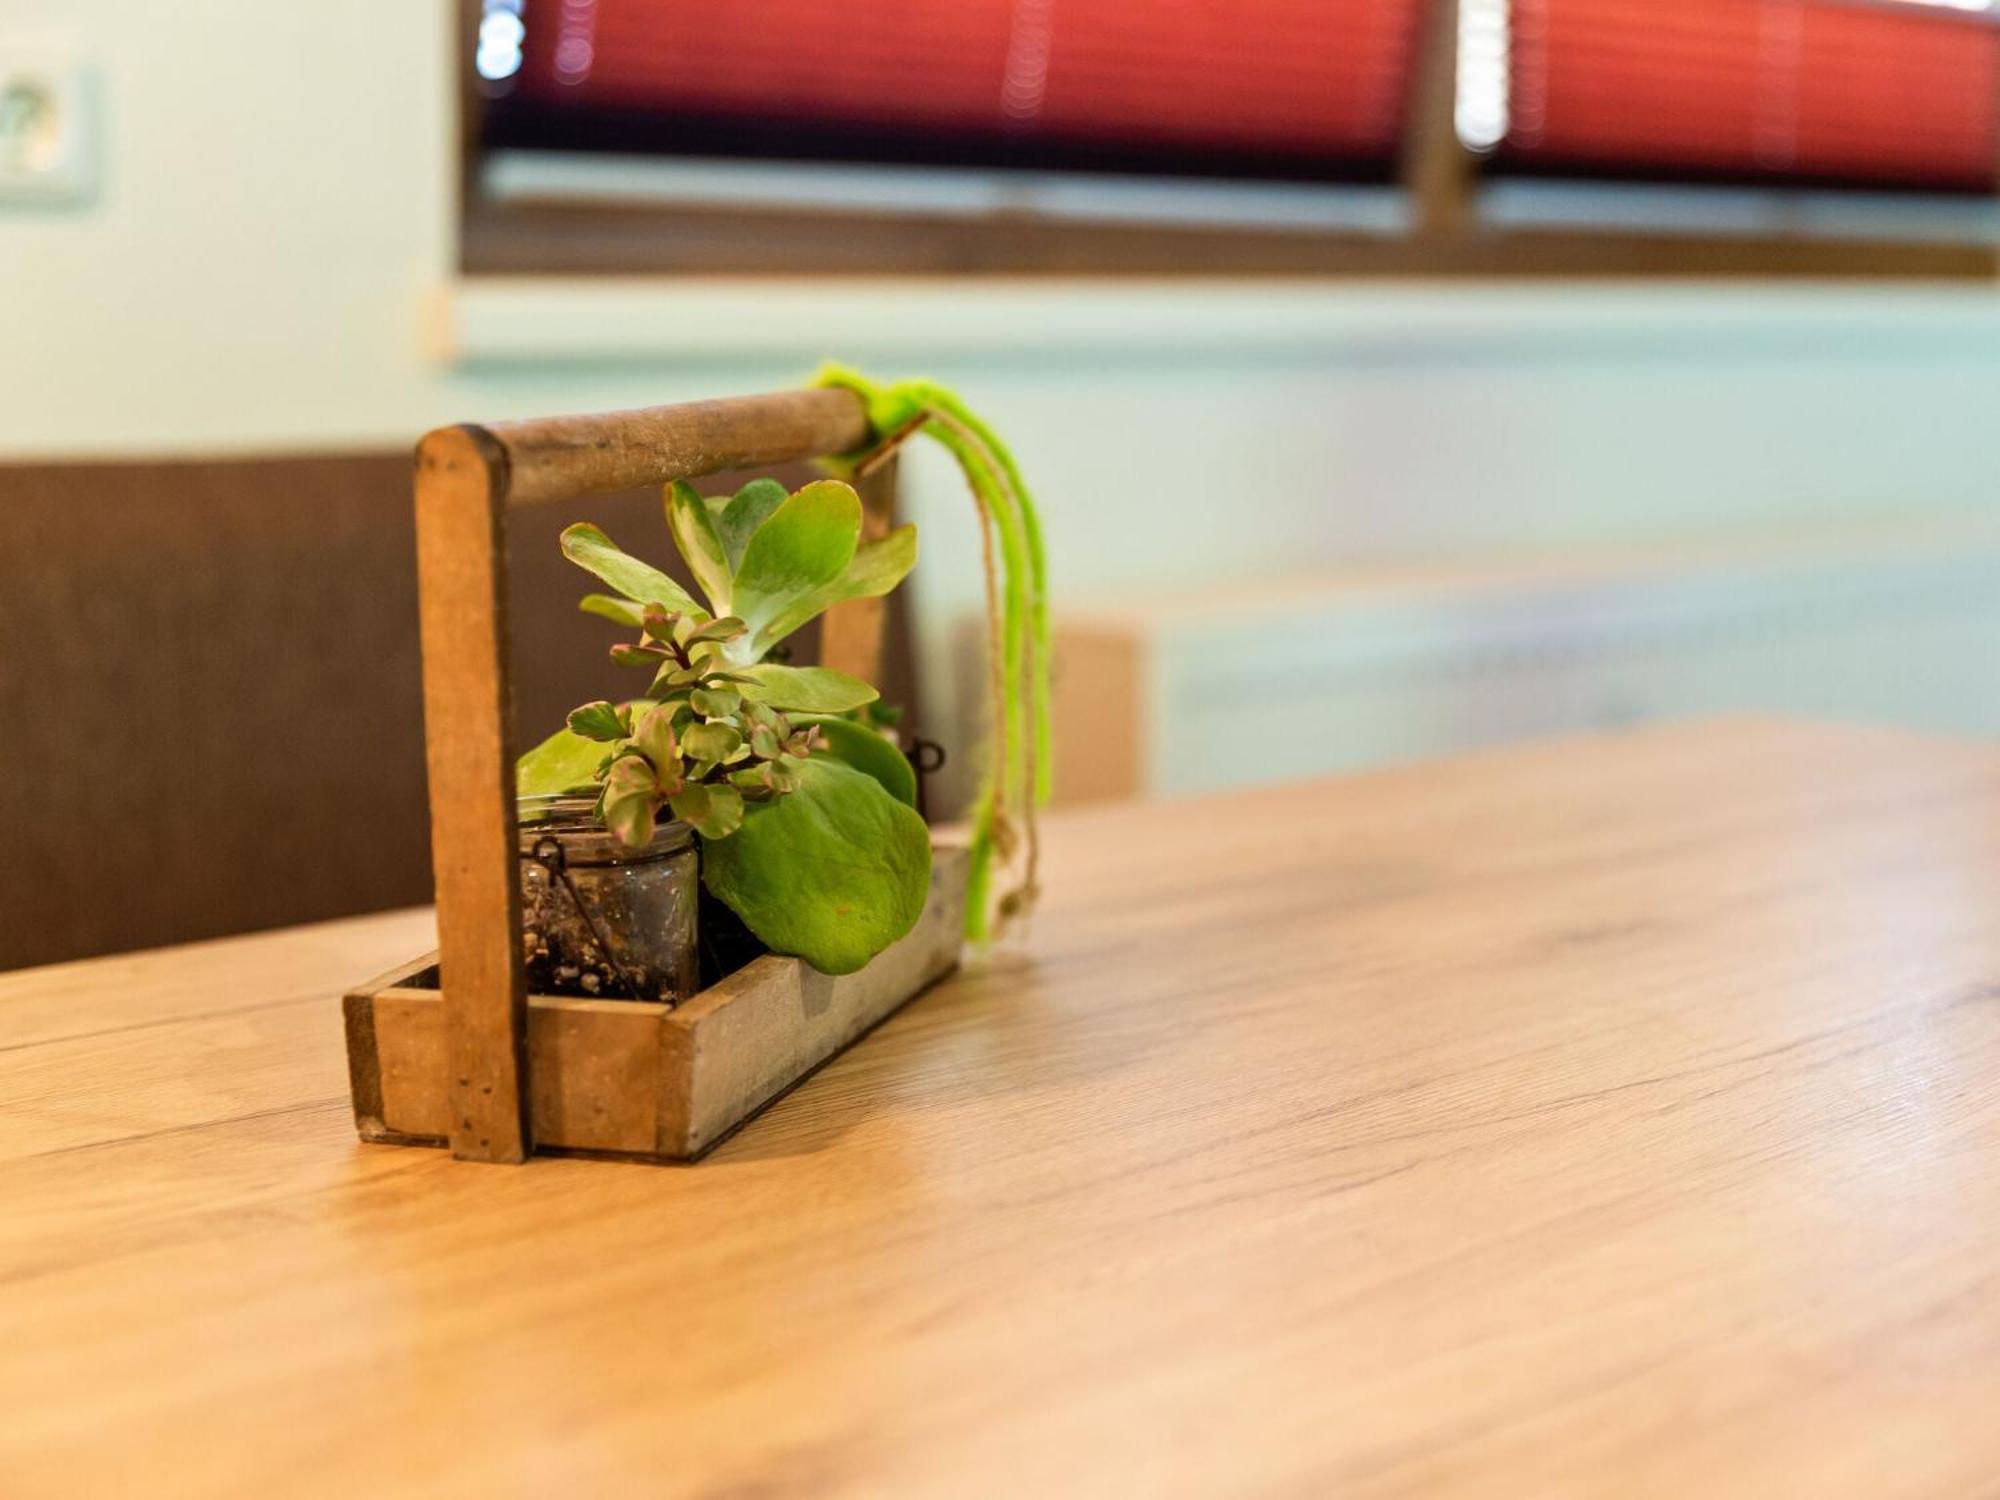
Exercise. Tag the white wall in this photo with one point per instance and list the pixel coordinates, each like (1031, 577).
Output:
(269, 265)
(272, 225)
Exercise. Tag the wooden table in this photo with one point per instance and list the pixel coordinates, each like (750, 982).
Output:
(1614, 1118)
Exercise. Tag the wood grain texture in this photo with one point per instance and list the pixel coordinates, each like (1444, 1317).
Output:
(559, 458)
(1612, 1118)
(468, 723)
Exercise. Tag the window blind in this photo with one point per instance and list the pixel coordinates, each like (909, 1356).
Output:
(1805, 91)
(1305, 87)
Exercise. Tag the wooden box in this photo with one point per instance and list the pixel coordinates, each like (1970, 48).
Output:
(477, 1063)
(626, 1079)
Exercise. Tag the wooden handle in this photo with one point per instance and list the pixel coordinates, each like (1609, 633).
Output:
(466, 478)
(468, 721)
(556, 458)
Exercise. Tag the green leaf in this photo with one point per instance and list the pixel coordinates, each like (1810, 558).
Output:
(631, 798)
(876, 569)
(834, 871)
(625, 654)
(654, 735)
(700, 543)
(564, 762)
(594, 552)
(766, 778)
(737, 519)
(880, 565)
(598, 721)
(728, 628)
(711, 742)
(713, 811)
(805, 545)
(819, 690)
(618, 611)
(717, 702)
(868, 752)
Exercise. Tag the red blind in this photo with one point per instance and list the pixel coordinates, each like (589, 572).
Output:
(1795, 90)
(1306, 78)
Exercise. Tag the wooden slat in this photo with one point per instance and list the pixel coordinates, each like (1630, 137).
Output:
(468, 721)
(593, 1070)
(1610, 1118)
(557, 458)
(851, 633)
(567, 239)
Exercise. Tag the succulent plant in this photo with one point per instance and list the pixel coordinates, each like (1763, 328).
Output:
(807, 820)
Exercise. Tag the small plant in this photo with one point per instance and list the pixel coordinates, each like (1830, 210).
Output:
(806, 818)
(805, 812)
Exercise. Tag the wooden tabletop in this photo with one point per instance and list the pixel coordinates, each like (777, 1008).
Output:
(1620, 1117)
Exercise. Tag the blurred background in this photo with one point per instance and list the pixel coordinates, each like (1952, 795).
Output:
(1396, 376)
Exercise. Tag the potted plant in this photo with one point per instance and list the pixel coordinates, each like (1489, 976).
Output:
(799, 813)
(804, 819)
(735, 809)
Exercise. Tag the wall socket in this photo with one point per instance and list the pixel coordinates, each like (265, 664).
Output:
(48, 129)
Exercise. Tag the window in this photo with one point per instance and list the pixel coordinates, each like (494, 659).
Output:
(1258, 88)
(1245, 136)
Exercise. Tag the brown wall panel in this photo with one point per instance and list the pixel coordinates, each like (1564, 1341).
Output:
(210, 715)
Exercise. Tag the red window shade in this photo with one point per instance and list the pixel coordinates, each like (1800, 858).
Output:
(1781, 90)
(1310, 79)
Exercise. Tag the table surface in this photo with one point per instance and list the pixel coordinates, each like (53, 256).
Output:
(1620, 1116)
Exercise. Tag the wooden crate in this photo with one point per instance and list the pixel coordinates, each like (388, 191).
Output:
(623, 1078)
(479, 1064)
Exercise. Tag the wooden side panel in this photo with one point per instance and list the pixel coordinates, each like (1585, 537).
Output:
(364, 1066)
(594, 1066)
(412, 1048)
(851, 632)
(732, 1048)
(467, 721)
(364, 1057)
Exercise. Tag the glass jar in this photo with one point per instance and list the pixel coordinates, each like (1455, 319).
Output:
(599, 919)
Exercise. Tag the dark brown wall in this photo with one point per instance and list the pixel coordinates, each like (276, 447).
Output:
(210, 704)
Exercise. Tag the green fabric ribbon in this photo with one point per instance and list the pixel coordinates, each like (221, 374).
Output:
(1017, 775)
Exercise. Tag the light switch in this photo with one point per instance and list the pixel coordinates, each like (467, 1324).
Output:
(47, 130)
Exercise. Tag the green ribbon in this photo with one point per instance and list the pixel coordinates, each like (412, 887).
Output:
(1014, 781)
